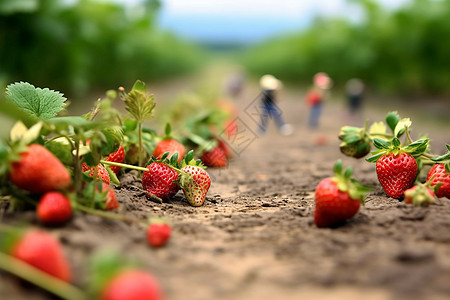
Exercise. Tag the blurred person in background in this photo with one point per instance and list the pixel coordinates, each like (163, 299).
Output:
(270, 85)
(315, 97)
(354, 89)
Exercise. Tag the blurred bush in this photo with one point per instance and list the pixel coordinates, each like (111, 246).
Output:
(87, 44)
(402, 52)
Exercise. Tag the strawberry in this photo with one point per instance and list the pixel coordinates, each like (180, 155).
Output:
(440, 175)
(118, 157)
(338, 198)
(132, 285)
(214, 158)
(419, 195)
(160, 180)
(39, 171)
(102, 173)
(54, 208)
(111, 197)
(396, 173)
(195, 183)
(169, 145)
(222, 145)
(396, 166)
(158, 234)
(42, 251)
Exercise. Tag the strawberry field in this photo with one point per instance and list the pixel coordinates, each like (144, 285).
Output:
(244, 228)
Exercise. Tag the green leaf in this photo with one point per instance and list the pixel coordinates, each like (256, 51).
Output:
(392, 119)
(41, 103)
(377, 128)
(374, 158)
(401, 126)
(381, 144)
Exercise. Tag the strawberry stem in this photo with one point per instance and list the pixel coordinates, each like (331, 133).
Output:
(41, 279)
(133, 167)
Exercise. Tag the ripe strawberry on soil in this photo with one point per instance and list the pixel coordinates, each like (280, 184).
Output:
(160, 180)
(170, 145)
(39, 171)
(438, 175)
(132, 285)
(338, 198)
(102, 173)
(42, 251)
(118, 157)
(158, 234)
(196, 186)
(419, 195)
(54, 208)
(396, 173)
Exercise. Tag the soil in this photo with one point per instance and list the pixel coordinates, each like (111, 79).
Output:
(255, 239)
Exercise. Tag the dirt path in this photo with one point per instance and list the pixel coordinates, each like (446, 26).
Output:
(254, 238)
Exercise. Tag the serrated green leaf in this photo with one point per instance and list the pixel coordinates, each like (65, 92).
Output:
(165, 155)
(441, 158)
(392, 120)
(396, 142)
(41, 103)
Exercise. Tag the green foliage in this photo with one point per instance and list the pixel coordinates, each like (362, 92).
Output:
(76, 47)
(41, 103)
(138, 104)
(404, 51)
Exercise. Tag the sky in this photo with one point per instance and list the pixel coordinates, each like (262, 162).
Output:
(246, 21)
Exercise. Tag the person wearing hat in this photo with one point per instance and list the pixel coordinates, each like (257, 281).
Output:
(322, 82)
(270, 85)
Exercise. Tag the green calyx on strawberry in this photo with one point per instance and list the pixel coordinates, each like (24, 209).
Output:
(396, 165)
(420, 195)
(338, 198)
(356, 141)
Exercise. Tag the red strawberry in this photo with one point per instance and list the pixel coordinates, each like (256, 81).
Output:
(171, 146)
(338, 198)
(39, 171)
(214, 158)
(118, 157)
(102, 173)
(132, 285)
(158, 234)
(54, 208)
(222, 145)
(439, 175)
(419, 195)
(160, 180)
(111, 197)
(42, 251)
(195, 183)
(395, 164)
(396, 173)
